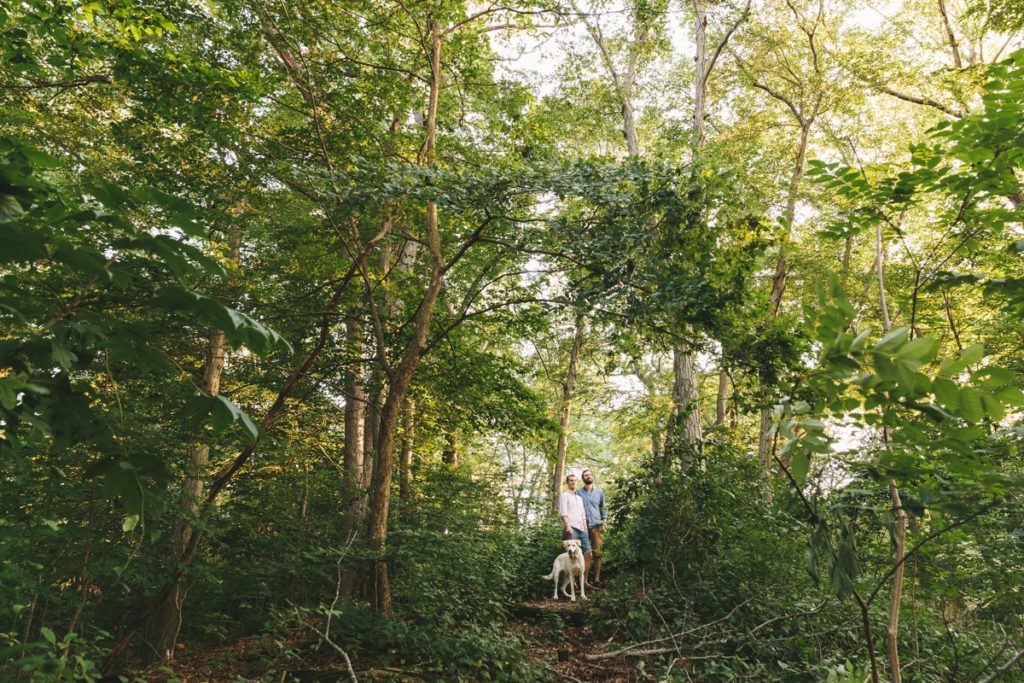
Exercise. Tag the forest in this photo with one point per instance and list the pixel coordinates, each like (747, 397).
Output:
(310, 310)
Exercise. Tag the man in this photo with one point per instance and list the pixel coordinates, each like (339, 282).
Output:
(597, 520)
(574, 519)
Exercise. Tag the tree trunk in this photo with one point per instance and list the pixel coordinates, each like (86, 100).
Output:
(764, 441)
(402, 375)
(722, 398)
(408, 438)
(685, 434)
(371, 426)
(685, 429)
(450, 454)
(563, 415)
(779, 281)
(700, 79)
(355, 415)
(629, 128)
(371, 432)
(168, 621)
(892, 633)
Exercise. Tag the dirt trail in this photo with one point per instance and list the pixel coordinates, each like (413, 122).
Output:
(561, 633)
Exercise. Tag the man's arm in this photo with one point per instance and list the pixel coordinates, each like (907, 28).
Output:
(604, 511)
(563, 511)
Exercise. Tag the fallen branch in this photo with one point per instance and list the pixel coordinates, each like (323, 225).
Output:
(565, 676)
(786, 617)
(1004, 668)
(630, 648)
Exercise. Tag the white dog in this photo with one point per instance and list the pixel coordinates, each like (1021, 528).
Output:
(571, 564)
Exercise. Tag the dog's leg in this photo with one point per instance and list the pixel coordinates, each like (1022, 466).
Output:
(572, 586)
(554, 573)
(583, 585)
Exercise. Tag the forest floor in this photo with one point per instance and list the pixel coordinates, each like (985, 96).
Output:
(558, 634)
(562, 635)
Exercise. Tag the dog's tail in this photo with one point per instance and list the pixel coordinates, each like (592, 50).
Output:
(549, 576)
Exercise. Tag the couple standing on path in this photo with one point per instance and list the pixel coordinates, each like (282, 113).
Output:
(585, 518)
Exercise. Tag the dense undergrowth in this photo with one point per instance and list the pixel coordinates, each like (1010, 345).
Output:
(705, 567)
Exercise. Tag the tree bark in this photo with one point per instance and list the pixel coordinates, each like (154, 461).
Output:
(722, 398)
(779, 280)
(371, 432)
(450, 454)
(568, 386)
(892, 633)
(402, 375)
(950, 36)
(225, 476)
(701, 76)
(355, 414)
(629, 128)
(408, 438)
(168, 621)
(685, 433)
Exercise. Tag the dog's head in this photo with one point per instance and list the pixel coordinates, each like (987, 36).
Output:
(572, 547)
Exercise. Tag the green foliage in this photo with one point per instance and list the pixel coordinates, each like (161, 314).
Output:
(457, 561)
(170, 170)
(80, 273)
(661, 245)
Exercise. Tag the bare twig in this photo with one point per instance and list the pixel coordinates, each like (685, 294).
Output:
(565, 676)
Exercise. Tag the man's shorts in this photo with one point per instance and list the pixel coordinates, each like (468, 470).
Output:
(583, 538)
(597, 539)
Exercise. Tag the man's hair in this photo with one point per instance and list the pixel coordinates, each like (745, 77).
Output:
(569, 476)
(585, 472)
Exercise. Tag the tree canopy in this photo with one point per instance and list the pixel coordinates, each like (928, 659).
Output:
(307, 310)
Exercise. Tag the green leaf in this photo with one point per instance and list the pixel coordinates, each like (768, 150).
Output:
(922, 349)
(971, 408)
(892, 341)
(62, 356)
(860, 340)
(8, 395)
(993, 378)
(1011, 396)
(800, 466)
(224, 413)
(969, 356)
(973, 354)
(48, 635)
(993, 407)
(249, 425)
(129, 523)
(946, 393)
(19, 243)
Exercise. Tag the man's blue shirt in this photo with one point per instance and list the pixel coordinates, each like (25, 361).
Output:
(593, 505)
